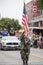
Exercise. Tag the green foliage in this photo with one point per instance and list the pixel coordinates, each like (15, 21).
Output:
(8, 23)
(40, 4)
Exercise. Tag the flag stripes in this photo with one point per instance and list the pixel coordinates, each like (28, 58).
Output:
(25, 22)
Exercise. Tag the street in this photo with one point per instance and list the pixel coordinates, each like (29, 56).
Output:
(13, 57)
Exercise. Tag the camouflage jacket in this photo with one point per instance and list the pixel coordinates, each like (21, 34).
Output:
(25, 45)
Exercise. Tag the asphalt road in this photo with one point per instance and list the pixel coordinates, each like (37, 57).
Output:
(14, 58)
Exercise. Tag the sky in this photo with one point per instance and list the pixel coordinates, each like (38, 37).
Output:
(12, 9)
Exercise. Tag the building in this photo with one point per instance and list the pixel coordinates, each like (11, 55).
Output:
(35, 20)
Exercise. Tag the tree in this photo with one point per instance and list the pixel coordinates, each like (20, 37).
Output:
(40, 5)
(8, 23)
(16, 25)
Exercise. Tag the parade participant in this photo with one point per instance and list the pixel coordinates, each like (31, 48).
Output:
(4, 32)
(25, 48)
(12, 33)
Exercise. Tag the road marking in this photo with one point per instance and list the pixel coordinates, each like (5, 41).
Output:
(41, 57)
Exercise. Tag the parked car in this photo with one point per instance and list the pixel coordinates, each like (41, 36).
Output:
(10, 42)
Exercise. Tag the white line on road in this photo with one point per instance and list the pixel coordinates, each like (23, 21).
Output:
(41, 57)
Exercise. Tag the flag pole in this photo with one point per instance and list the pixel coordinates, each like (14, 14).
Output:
(23, 1)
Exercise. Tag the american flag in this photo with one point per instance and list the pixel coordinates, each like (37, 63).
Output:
(25, 20)
(34, 7)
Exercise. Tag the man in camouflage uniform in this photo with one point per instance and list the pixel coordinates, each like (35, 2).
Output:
(25, 48)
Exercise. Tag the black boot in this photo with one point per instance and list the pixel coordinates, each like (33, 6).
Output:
(26, 62)
(23, 62)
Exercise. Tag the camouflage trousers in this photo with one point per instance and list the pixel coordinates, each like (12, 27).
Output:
(25, 56)
(25, 59)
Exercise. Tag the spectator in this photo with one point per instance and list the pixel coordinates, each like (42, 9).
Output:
(35, 43)
(12, 32)
(39, 43)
